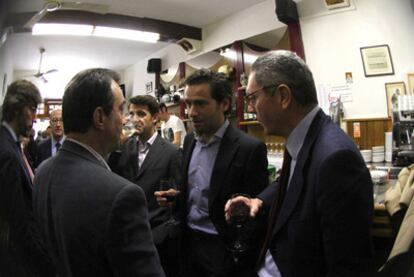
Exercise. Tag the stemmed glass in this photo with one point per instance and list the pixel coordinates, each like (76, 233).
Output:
(165, 185)
(239, 215)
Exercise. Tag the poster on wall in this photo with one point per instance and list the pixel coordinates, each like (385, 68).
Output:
(377, 60)
(410, 77)
(3, 91)
(393, 90)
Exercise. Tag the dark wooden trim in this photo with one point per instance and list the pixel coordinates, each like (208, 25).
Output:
(295, 37)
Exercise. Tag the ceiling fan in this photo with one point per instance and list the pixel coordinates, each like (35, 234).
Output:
(40, 74)
(54, 5)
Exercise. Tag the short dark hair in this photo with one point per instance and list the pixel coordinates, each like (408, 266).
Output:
(89, 89)
(146, 100)
(285, 67)
(20, 94)
(163, 107)
(220, 86)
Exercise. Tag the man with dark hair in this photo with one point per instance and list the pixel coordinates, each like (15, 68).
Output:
(219, 161)
(172, 128)
(20, 246)
(320, 211)
(49, 147)
(145, 159)
(94, 222)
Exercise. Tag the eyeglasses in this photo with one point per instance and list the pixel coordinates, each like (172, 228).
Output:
(56, 120)
(251, 97)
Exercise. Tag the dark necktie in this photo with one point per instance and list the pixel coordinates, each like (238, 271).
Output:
(276, 205)
(57, 146)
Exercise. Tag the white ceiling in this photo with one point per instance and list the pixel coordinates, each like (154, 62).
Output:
(116, 54)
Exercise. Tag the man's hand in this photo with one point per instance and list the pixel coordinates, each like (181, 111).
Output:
(255, 204)
(161, 197)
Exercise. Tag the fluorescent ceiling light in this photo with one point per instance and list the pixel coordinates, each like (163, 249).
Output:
(231, 54)
(62, 29)
(126, 34)
(89, 30)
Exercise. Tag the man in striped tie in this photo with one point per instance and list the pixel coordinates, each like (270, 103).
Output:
(20, 248)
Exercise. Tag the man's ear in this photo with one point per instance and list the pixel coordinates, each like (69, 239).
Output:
(156, 117)
(226, 104)
(286, 96)
(98, 118)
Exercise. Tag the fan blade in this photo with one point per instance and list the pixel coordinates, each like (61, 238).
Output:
(43, 79)
(50, 71)
(88, 7)
(36, 18)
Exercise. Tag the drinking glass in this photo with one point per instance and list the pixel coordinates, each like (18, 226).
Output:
(165, 185)
(129, 127)
(239, 215)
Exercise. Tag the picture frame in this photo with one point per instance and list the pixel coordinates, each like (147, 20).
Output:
(377, 60)
(410, 80)
(148, 87)
(392, 90)
(4, 87)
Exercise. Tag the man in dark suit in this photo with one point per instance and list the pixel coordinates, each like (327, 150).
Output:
(49, 147)
(20, 247)
(145, 159)
(321, 209)
(94, 222)
(219, 161)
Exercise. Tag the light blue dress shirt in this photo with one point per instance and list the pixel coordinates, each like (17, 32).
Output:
(199, 175)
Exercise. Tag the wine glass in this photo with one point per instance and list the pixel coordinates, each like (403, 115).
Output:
(129, 127)
(239, 215)
(165, 185)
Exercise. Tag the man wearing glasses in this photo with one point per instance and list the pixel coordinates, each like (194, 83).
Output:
(50, 146)
(319, 213)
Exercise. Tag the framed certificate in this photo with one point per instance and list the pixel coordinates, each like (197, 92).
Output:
(377, 60)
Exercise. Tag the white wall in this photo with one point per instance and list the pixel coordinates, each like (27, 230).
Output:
(332, 47)
(6, 67)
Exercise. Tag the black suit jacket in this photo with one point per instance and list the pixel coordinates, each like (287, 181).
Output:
(162, 161)
(323, 227)
(44, 151)
(94, 222)
(20, 246)
(240, 167)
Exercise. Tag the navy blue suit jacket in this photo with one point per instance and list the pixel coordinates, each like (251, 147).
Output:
(20, 246)
(44, 151)
(323, 227)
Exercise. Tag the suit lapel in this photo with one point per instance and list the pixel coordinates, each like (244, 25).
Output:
(187, 151)
(228, 148)
(128, 161)
(297, 181)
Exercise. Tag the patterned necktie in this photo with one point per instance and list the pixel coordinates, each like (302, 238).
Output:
(276, 205)
(26, 162)
(57, 146)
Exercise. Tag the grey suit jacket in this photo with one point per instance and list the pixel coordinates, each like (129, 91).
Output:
(162, 161)
(94, 222)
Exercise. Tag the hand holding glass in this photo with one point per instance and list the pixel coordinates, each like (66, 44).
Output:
(238, 215)
(166, 185)
(129, 127)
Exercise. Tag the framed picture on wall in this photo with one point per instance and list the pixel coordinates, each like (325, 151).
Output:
(377, 60)
(393, 90)
(410, 79)
(3, 91)
(148, 87)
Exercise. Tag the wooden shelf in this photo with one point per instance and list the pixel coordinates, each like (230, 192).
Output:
(251, 122)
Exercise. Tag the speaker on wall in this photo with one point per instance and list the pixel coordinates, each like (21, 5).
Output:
(154, 66)
(286, 11)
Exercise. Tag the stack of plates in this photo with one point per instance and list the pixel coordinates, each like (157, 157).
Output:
(379, 176)
(366, 155)
(378, 154)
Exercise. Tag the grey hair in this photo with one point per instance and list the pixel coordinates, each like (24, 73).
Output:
(285, 67)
